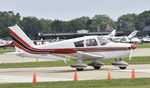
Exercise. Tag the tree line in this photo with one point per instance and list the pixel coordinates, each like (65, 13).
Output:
(33, 25)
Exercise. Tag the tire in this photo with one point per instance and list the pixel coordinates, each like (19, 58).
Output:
(96, 67)
(122, 67)
(79, 69)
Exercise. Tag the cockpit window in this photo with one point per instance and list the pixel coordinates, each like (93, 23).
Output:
(1, 42)
(91, 42)
(79, 43)
(103, 41)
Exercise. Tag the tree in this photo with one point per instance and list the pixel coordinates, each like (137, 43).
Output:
(127, 21)
(101, 21)
(7, 19)
(142, 20)
(58, 26)
(78, 24)
(31, 25)
(45, 25)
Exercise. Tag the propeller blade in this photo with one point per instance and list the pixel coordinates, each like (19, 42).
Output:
(130, 55)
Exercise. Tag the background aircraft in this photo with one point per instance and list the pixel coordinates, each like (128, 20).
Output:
(124, 38)
(111, 35)
(4, 43)
(92, 48)
(146, 39)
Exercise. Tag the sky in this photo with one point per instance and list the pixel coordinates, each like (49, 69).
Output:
(71, 9)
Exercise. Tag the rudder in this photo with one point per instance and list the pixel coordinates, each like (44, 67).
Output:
(19, 35)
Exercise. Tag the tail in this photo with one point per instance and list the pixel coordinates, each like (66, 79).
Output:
(133, 34)
(18, 35)
(113, 33)
(21, 40)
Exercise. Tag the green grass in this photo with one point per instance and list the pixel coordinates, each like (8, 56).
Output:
(144, 45)
(8, 49)
(114, 83)
(135, 60)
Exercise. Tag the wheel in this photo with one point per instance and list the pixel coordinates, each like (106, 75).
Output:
(96, 67)
(79, 69)
(122, 67)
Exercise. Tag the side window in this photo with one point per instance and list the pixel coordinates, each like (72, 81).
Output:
(103, 41)
(1, 42)
(79, 43)
(91, 42)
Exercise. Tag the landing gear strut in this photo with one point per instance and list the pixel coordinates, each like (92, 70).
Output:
(96, 65)
(120, 63)
(79, 69)
(79, 66)
(122, 67)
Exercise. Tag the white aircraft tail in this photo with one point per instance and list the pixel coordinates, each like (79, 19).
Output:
(21, 40)
(113, 33)
(133, 34)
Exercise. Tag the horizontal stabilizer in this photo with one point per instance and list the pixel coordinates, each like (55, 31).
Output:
(13, 53)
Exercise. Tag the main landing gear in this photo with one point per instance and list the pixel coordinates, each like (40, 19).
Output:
(120, 63)
(97, 65)
(79, 66)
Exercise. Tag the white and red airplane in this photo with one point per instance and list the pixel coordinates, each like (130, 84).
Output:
(125, 39)
(4, 43)
(92, 48)
(111, 35)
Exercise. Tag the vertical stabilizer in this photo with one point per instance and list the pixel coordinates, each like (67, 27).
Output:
(18, 35)
(133, 34)
(113, 33)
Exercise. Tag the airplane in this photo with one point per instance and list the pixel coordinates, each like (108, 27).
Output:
(146, 39)
(112, 34)
(135, 40)
(93, 48)
(4, 43)
(124, 38)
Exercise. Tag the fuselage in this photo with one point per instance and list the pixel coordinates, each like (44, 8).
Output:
(93, 45)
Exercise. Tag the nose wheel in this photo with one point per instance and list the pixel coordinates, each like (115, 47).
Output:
(121, 64)
(79, 69)
(122, 67)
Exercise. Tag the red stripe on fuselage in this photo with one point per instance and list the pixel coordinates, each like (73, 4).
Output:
(23, 42)
(17, 45)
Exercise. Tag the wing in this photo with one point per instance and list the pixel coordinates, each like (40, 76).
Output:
(88, 56)
(80, 54)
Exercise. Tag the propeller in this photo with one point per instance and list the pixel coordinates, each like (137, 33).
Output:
(131, 50)
(130, 55)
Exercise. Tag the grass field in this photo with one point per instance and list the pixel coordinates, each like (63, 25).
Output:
(144, 45)
(8, 49)
(135, 60)
(114, 83)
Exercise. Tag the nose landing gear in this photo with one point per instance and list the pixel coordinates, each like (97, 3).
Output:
(121, 64)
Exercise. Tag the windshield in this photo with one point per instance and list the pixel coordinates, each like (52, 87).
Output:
(91, 42)
(103, 40)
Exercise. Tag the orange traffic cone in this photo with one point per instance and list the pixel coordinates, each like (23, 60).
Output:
(75, 76)
(133, 74)
(109, 76)
(34, 78)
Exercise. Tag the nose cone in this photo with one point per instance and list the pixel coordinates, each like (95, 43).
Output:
(133, 47)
